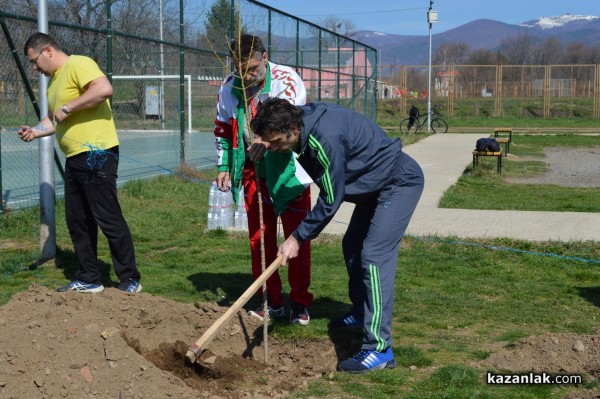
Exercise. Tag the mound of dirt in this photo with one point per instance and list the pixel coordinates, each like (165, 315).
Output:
(554, 354)
(117, 345)
(551, 353)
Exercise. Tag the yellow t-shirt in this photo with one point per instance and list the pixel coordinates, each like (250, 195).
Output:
(91, 128)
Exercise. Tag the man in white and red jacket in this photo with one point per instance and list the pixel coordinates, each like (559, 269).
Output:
(254, 80)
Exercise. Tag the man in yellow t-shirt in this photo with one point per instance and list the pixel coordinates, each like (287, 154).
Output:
(79, 113)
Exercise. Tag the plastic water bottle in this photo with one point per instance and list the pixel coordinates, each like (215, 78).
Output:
(225, 209)
(241, 218)
(220, 212)
(213, 214)
(243, 214)
(226, 212)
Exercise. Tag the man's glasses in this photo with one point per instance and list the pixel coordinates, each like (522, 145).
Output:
(250, 66)
(34, 61)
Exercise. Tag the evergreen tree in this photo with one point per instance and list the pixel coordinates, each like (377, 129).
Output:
(221, 26)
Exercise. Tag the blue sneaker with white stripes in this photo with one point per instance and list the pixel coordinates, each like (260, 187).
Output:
(81, 286)
(130, 285)
(368, 360)
(349, 320)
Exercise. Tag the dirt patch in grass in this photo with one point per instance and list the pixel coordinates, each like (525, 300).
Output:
(6, 245)
(569, 167)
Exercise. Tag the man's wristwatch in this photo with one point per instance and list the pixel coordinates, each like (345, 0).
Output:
(65, 110)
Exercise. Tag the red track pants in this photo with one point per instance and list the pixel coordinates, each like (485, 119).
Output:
(299, 267)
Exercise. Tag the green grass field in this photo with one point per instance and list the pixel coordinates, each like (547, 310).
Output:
(454, 300)
(481, 189)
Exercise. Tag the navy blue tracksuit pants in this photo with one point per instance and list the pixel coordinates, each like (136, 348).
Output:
(370, 247)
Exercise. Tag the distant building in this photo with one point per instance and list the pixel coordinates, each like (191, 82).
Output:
(335, 74)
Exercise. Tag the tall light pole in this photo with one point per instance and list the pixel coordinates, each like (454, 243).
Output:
(432, 17)
(381, 62)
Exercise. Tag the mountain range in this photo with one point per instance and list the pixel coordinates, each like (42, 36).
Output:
(481, 33)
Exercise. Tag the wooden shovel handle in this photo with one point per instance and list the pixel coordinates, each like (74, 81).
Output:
(196, 348)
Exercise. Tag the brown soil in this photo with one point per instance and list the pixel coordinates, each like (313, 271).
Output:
(551, 353)
(116, 345)
(567, 353)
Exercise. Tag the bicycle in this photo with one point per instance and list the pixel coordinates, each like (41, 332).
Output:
(438, 125)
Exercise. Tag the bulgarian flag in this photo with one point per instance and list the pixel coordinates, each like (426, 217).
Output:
(286, 179)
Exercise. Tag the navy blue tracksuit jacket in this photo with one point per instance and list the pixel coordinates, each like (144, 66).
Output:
(352, 159)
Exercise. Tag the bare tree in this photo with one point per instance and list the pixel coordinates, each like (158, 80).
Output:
(344, 27)
(451, 54)
(518, 49)
(483, 56)
(593, 56)
(27, 7)
(549, 52)
(576, 53)
(81, 12)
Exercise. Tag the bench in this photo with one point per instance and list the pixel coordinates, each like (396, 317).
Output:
(506, 142)
(499, 130)
(497, 154)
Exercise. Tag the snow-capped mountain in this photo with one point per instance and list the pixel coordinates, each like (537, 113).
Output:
(557, 22)
(483, 33)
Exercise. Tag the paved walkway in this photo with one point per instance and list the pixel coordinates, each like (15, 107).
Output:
(443, 158)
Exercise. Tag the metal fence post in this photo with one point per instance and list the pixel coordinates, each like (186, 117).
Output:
(1, 190)
(181, 84)
(46, 154)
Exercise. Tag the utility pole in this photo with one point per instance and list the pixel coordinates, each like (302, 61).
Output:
(381, 66)
(432, 17)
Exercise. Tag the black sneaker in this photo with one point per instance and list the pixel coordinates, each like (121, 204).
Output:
(368, 360)
(81, 286)
(349, 320)
(299, 314)
(130, 285)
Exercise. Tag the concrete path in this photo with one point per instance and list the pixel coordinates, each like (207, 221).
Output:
(443, 158)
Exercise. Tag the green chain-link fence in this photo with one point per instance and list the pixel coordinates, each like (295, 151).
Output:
(166, 61)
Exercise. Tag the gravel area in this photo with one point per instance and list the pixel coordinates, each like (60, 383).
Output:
(569, 167)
